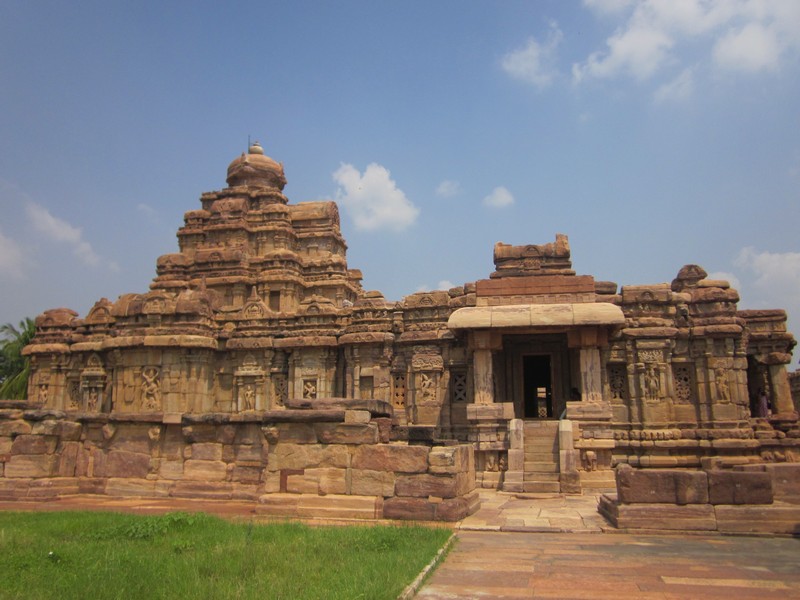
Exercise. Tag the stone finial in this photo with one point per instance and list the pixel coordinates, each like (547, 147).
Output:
(688, 277)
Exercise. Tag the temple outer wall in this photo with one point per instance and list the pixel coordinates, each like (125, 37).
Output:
(294, 463)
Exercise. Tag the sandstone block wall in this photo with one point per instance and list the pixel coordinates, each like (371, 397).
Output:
(303, 463)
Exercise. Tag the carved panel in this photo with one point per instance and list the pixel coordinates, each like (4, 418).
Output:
(618, 382)
(309, 389)
(427, 362)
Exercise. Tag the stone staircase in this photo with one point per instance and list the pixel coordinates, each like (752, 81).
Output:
(541, 470)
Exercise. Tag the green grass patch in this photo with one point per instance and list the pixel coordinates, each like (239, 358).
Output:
(82, 555)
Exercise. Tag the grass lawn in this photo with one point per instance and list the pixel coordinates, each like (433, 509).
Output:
(109, 555)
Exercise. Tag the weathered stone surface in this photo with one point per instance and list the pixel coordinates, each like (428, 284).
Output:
(449, 459)
(691, 517)
(661, 486)
(68, 459)
(120, 463)
(215, 490)
(739, 487)
(49, 488)
(399, 459)
(278, 505)
(297, 433)
(14, 428)
(335, 506)
(443, 486)
(418, 509)
(456, 509)
(365, 482)
(782, 519)
(124, 487)
(204, 470)
(171, 469)
(206, 451)
(34, 444)
(305, 456)
(243, 474)
(347, 433)
(31, 465)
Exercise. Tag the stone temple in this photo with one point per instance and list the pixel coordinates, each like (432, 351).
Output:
(257, 367)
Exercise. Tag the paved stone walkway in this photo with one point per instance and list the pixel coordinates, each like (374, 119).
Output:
(572, 566)
(551, 513)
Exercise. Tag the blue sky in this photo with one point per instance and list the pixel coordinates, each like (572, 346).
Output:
(654, 134)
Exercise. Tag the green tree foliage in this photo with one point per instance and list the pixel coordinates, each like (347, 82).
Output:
(15, 368)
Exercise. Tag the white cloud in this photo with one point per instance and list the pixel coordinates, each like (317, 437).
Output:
(535, 62)
(59, 230)
(448, 189)
(679, 89)
(12, 257)
(638, 51)
(776, 273)
(373, 199)
(752, 48)
(499, 198)
(744, 35)
(732, 279)
(444, 284)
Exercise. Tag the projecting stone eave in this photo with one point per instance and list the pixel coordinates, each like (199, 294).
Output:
(537, 315)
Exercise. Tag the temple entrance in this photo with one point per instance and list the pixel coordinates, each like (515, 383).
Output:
(535, 373)
(537, 387)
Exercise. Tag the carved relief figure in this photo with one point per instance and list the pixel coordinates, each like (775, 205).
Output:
(426, 386)
(652, 385)
(42, 396)
(91, 404)
(249, 397)
(723, 391)
(151, 388)
(309, 389)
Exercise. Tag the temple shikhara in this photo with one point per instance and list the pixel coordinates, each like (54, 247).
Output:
(257, 367)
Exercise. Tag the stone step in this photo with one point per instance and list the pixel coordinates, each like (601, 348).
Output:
(548, 452)
(550, 447)
(541, 487)
(541, 467)
(544, 458)
(539, 426)
(547, 477)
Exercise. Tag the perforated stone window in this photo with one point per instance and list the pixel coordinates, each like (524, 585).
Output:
(280, 388)
(683, 375)
(399, 390)
(458, 385)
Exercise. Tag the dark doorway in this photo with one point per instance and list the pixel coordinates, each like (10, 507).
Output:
(538, 387)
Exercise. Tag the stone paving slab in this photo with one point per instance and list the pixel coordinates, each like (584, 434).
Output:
(588, 566)
(502, 511)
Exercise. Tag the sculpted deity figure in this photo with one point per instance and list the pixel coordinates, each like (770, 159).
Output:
(309, 389)
(92, 402)
(151, 392)
(723, 391)
(249, 397)
(651, 383)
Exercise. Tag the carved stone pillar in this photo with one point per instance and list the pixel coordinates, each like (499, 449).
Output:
(483, 342)
(591, 378)
(781, 391)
